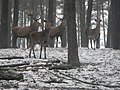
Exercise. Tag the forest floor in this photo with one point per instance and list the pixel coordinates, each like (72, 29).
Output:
(99, 70)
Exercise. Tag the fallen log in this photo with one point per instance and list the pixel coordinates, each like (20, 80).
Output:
(61, 67)
(14, 65)
(10, 75)
(13, 57)
(90, 83)
(37, 65)
(54, 81)
(52, 61)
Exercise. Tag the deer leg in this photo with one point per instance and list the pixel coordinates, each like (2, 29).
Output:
(40, 51)
(57, 42)
(91, 42)
(27, 43)
(61, 38)
(45, 52)
(94, 44)
(88, 43)
(30, 53)
(32, 48)
(33, 52)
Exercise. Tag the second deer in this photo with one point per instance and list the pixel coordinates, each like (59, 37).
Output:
(93, 34)
(24, 32)
(40, 38)
(58, 30)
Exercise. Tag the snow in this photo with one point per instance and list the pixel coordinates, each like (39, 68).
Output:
(100, 66)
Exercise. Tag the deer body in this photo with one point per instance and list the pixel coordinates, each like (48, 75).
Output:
(40, 38)
(58, 31)
(24, 32)
(93, 34)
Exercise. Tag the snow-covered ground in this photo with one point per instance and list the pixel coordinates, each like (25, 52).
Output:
(100, 66)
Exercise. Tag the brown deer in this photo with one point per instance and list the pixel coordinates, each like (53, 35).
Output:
(58, 30)
(40, 38)
(93, 34)
(24, 32)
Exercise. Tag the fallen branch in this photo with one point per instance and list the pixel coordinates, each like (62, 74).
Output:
(96, 84)
(61, 67)
(13, 57)
(10, 75)
(56, 74)
(37, 65)
(14, 65)
(54, 81)
(51, 61)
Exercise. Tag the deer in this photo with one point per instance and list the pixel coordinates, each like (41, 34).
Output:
(24, 32)
(93, 34)
(58, 30)
(40, 38)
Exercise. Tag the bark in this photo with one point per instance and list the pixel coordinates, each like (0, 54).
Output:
(98, 16)
(64, 36)
(88, 18)
(73, 58)
(82, 23)
(115, 5)
(4, 25)
(109, 33)
(103, 17)
(15, 21)
(51, 15)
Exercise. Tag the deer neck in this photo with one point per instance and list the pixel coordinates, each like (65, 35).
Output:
(98, 26)
(61, 26)
(34, 27)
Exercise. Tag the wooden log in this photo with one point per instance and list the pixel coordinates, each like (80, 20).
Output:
(10, 75)
(13, 57)
(61, 67)
(14, 65)
(54, 81)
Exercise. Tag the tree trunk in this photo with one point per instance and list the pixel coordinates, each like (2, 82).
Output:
(115, 6)
(104, 37)
(4, 25)
(23, 23)
(82, 23)
(88, 18)
(78, 23)
(42, 13)
(15, 20)
(73, 58)
(98, 16)
(10, 21)
(109, 33)
(51, 15)
(64, 36)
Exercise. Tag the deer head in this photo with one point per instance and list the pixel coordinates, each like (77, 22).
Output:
(63, 21)
(35, 23)
(98, 20)
(30, 13)
(48, 24)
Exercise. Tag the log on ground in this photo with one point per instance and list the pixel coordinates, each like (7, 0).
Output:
(10, 75)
